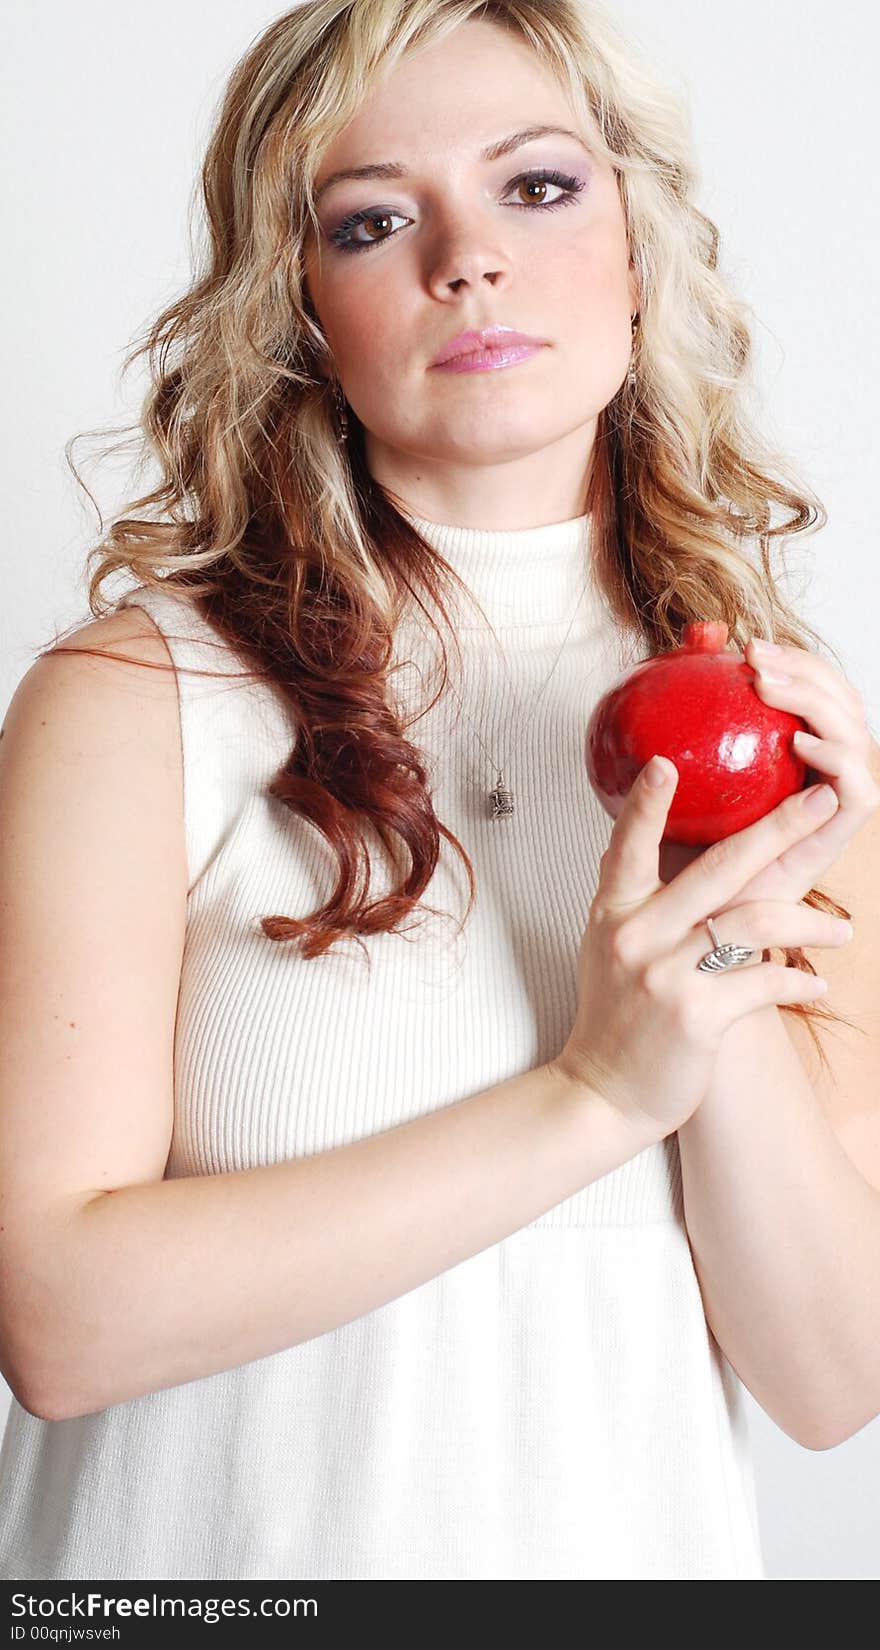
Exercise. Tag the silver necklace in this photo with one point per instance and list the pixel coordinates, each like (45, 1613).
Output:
(500, 796)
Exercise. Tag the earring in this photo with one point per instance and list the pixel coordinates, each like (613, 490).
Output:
(341, 414)
(631, 374)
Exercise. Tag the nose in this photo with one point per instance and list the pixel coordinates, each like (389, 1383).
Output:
(455, 285)
(466, 256)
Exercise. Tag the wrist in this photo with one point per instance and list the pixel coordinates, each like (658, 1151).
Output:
(572, 1085)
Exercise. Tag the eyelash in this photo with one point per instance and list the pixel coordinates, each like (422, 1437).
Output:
(572, 186)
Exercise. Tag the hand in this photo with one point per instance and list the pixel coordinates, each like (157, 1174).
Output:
(835, 714)
(649, 1023)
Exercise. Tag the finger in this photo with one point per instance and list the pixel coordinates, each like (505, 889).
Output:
(827, 712)
(763, 924)
(727, 866)
(803, 664)
(714, 1001)
(629, 872)
(802, 865)
(838, 761)
(843, 759)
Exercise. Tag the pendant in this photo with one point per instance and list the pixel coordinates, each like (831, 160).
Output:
(501, 799)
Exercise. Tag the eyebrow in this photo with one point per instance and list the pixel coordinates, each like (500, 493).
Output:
(492, 151)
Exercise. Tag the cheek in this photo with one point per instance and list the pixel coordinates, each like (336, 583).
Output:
(348, 304)
(377, 342)
(596, 307)
(365, 316)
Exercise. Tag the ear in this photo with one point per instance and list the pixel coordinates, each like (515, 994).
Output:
(635, 302)
(321, 361)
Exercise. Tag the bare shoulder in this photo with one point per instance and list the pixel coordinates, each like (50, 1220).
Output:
(128, 636)
(93, 727)
(114, 673)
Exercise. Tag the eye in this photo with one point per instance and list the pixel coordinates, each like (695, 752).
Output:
(344, 239)
(569, 186)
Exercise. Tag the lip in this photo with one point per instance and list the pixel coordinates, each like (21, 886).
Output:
(476, 346)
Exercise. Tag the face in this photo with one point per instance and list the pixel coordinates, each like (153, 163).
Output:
(459, 242)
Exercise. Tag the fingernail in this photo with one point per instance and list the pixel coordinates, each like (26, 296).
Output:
(657, 773)
(765, 647)
(820, 799)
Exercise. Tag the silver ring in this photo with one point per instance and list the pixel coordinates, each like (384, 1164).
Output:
(724, 956)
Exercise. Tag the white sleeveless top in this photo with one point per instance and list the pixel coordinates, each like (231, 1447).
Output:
(554, 1407)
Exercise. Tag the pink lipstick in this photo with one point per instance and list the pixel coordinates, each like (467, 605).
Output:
(485, 350)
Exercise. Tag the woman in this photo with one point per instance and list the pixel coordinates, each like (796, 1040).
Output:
(443, 1266)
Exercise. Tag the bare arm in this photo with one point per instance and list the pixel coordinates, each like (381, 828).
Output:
(154, 1285)
(105, 1294)
(785, 1235)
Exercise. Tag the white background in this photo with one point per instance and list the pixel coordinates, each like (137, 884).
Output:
(106, 112)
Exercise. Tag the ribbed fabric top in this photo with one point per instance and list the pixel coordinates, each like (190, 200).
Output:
(554, 1407)
(521, 576)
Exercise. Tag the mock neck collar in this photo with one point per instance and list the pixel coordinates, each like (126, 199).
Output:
(521, 576)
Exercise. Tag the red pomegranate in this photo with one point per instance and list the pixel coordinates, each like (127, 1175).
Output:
(696, 705)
